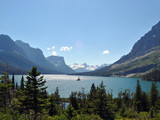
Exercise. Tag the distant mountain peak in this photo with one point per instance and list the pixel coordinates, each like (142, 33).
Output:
(24, 44)
(85, 67)
(59, 62)
(56, 59)
(7, 44)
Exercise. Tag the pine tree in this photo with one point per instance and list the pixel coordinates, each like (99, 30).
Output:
(103, 104)
(145, 102)
(27, 97)
(91, 100)
(138, 98)
(17, 87)
(5, 90)
(52, 106)
(73, 100)
(153, 95)
(70, 112)
(119, 101)
(22, 83)
(32, 97)
(57, 96)
(126, 97)
(13, 82)
(92, 93)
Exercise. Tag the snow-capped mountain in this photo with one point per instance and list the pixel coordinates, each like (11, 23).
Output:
(85, 67)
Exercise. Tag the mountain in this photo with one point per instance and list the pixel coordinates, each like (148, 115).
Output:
(144, 56)
(86, 68)
(18, 62)
(35, 55)
(8, 45)
(59, 62)
(146, 43)
(16, 58)
(3, 68)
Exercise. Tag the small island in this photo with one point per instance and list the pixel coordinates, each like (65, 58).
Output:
(78, 79)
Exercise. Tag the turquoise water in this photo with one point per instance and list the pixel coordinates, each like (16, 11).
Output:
(68, 83)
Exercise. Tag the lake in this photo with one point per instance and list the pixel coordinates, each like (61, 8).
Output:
(68, 83)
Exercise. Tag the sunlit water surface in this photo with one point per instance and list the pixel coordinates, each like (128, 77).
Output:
(68, 83)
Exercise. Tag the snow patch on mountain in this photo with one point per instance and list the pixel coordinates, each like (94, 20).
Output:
(85, 67)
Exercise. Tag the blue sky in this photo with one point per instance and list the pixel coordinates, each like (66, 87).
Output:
(91, 31)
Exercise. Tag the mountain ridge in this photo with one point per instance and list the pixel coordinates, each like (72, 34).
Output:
(139, 60)
(18, 61)
(35, 55)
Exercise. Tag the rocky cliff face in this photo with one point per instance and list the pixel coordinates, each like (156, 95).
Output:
(8, 45)
(147, 42)
(59, 62)
(35, 55)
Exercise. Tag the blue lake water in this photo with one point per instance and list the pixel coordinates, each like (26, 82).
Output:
(68, 83)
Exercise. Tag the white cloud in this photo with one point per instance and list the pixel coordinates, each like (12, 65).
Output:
(54, 53)
(105, 52)
(53, 47)
(48, 48)
(66, 48)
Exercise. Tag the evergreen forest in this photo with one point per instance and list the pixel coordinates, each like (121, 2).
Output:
(30, 101)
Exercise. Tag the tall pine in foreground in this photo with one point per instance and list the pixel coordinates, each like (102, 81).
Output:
(33, 98)
(52, 106)
(153, 95)
(138, 98)
(5, 90)
(103, 104)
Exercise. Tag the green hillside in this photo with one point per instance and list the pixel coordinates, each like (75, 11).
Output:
(134, 67)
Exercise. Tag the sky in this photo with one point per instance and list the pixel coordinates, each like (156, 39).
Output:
(90, 31)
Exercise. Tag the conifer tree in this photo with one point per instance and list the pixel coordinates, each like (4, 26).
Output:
(5, 88)
(145, 102)
(13, 82)
(32, 97)
(73, 100)
(57, 96)
(103, 104)
(138, 98)
(91, 100)
(92, 93)
(70, 112)
(27, 97)
(153, 95)
(22, 83)
(17, 87)
(52, 106)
